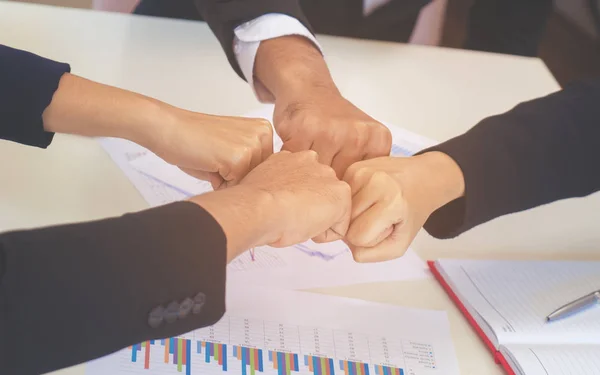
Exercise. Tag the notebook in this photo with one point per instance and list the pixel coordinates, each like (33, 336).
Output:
(507, 303)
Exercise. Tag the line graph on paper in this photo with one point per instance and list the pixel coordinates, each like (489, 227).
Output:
(269, 257)
(264, 258)
(245, 346)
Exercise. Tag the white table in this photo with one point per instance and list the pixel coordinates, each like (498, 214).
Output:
(437, 92)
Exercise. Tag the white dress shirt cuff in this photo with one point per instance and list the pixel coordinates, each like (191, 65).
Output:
(247, 40)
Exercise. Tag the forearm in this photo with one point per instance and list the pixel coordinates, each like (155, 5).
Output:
(288, 65)
(246, 216)
(87, 108)
(539, 152)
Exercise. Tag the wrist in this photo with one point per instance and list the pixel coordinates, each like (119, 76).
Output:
(441, 178)
(290, 65)
(247, 216)
(154, 126)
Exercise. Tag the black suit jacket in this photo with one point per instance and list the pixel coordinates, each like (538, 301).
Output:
(71, 293)
(503, 26)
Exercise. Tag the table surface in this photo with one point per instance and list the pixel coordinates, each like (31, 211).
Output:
(437, 92)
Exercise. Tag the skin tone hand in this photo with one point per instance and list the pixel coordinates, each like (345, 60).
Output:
(310, 113)
(393, 197)
(218, 149)
(288, 199)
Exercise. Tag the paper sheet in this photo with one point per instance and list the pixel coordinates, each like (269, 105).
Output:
(275, 332)
(311, 265)
(123, 152)
(307, 265)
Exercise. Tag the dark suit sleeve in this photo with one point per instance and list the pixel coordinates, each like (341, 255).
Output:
(223, 16)
(539, 152)
(507, 26)
(27, 83)
(72, 293)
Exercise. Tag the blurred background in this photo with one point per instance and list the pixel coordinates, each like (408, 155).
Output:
(570, 45)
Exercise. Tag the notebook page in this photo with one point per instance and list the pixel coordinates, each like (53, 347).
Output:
(554, 360)
(514, 298)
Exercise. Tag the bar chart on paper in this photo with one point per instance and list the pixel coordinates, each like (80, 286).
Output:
(244, 346)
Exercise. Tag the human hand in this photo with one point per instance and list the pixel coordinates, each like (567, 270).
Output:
(310, 113)
(288, 199)
(393, 197)
(322, 120)
(218, 149)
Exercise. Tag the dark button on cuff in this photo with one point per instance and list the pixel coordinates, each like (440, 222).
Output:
(156, 317)
(199, 301)
(172, 312)
(185, 308)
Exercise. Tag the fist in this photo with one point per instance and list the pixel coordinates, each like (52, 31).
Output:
(393, 197)
(218, 149)
(308, 200)
(333, 127)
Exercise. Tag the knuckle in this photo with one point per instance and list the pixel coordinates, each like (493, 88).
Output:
(356, 172)
(311, 155)
(344, 188)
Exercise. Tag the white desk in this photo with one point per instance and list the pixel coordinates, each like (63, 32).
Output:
(439, 93)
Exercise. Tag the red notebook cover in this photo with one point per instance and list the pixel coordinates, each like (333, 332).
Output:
(498, 357)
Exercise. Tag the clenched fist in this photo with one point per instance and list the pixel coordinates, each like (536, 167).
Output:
(288, 199)
(218, 149)
(393, 197)
(323, 121)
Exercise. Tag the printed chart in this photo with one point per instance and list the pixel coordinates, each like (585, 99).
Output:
(247, 345)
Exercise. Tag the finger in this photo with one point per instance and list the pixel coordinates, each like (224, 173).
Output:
(380, 144)
(257, 158)
(365, 198)
(394, 246)
(296, 144)
(238, 169)
(325, 149)
(328, 236)
(340, 227)
(267, 145)
(368, 229)
(214, 178)
(344, 159)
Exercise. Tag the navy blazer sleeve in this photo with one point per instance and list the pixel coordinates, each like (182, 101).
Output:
(223, 16)
(539, 152)
(27, 83)
(72, 293)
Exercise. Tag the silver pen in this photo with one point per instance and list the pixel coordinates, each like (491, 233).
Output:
(576, 306)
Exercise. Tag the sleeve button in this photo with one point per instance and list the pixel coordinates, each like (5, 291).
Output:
(156, 317)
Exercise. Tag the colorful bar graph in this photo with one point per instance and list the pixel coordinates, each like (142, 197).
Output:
(178, 352)
(177, 347)
(214, 351)
(386, 370)
(355, 368)
(250, 357)
(284, 363)
(319, 365)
